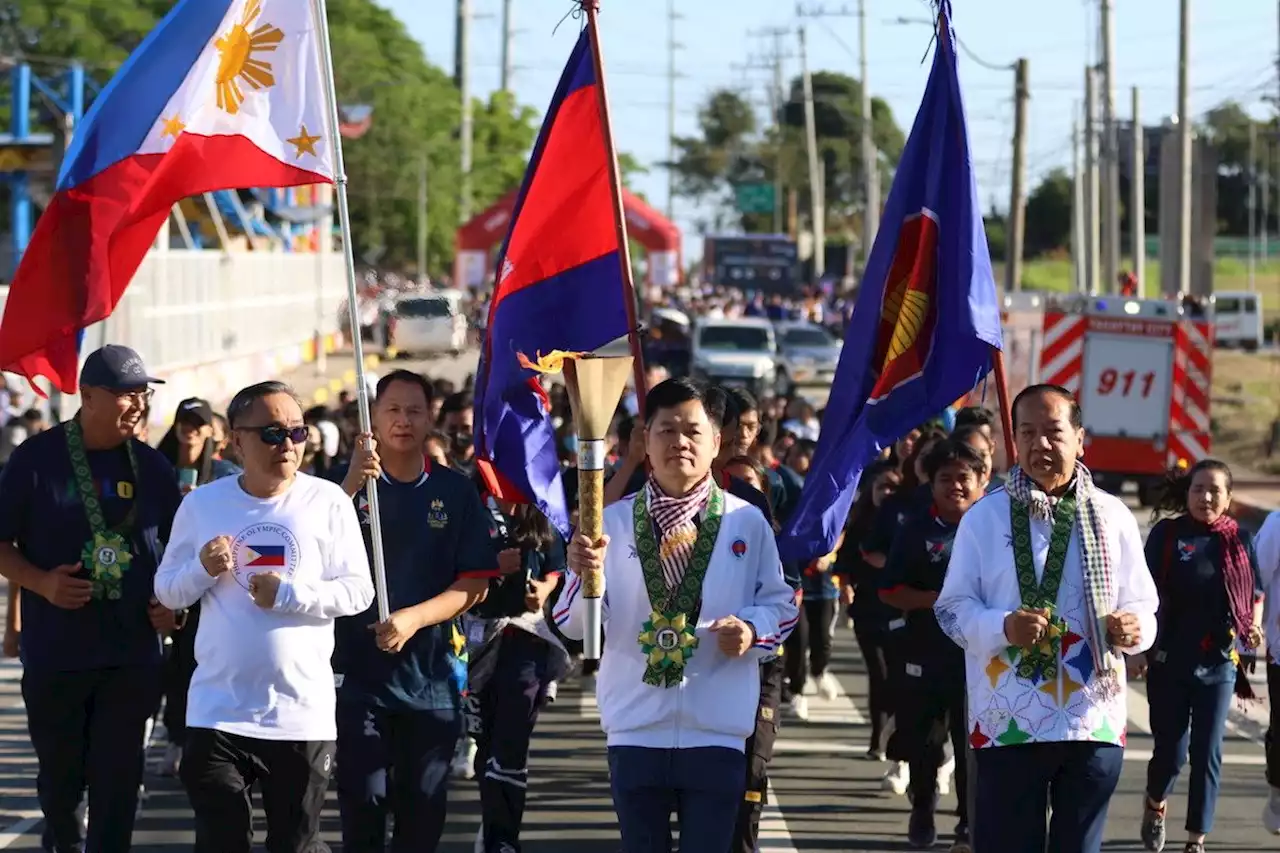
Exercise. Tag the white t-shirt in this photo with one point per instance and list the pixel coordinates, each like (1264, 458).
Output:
(266, 673)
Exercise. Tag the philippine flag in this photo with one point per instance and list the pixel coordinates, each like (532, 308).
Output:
(224, 94)
(264, 556)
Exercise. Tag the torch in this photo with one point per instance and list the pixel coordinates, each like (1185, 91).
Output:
(595, 386)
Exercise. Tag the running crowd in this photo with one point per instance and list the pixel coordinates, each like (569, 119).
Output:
(221, 582)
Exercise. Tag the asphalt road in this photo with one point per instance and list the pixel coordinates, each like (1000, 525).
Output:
(827, 797)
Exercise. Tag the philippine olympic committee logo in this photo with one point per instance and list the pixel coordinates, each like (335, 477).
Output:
(263, 548)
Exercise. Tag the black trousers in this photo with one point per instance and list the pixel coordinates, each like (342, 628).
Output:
(810, 643)
(219, 769)
(897, 748)
(1273, 728)
(759, 749)
(180, 665)
(86, 729)
(931, 709)
(871, 643)
(509, 706)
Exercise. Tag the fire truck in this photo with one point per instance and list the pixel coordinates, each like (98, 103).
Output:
(1141, 370)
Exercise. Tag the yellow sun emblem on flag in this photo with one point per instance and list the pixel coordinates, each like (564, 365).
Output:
(239, 63)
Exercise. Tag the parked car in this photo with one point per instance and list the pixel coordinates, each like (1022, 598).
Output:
(740, 352)
(429, 324)
(808, 354)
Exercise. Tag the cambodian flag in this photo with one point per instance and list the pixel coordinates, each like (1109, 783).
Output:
(223, 94)
(927, 316)
(559, 287)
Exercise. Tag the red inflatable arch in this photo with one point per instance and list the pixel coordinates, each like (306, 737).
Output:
(476, 242)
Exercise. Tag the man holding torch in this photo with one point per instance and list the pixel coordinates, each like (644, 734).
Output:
(694, 597)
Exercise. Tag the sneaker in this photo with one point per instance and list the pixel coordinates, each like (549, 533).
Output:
(945, 772)
(464, 760)
(800, 707)
(1271, 812)
(921, 830)
(172, 760)
(897, 779)
(1193, 847)
(552, 690)
(479, 845)
(961, 843)
(810, 687)
(1153, 831)
(828, 687)
(874, 754)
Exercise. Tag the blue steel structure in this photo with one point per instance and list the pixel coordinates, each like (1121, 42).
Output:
(69, 93)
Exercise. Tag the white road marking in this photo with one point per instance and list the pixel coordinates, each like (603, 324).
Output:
(10, 834)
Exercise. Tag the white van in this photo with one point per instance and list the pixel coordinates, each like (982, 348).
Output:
(429, 323)
(1237, 319)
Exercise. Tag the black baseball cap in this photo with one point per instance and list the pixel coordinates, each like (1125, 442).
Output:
(194, 410)
(116, 368)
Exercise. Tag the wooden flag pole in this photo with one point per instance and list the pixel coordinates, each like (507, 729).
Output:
(344, 218)
(1006, 414)
(592, 10)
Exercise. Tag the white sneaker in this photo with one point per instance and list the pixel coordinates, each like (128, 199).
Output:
(82, 812)
(479, 845)
(1271, 812)
(945, 772)
(552, 691)
(897, 778)
(464, 760)
(810, 687)
(172, 760)
(800, 707)
(828, 687)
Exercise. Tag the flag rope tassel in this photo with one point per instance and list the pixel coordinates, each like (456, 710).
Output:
(321, 15)
(591, 8)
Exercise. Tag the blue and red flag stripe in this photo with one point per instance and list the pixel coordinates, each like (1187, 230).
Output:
(559, 286)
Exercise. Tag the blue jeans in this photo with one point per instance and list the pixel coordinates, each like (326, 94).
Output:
(704, 786)
(394, 763)
(1017, 785)
(1187, 715)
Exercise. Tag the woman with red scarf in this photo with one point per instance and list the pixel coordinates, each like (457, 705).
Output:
(1211, 598)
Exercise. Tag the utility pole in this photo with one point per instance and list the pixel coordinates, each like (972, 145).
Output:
(1077, 206)
(508, 42)
(422, 219)
(1110, 155)
(1252, 172)
(815, 178)
(1184, 147)
(1264, 189)
(870, 160)
(778, 100)
(462, 77)
(1092, 219)
(672, 47)
(1017, 192)
(1138, 197)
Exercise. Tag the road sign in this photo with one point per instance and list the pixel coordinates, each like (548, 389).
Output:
(755, 198)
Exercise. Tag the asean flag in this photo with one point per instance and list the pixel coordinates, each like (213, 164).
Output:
(223, 94)
(927, 318)
(559, 287)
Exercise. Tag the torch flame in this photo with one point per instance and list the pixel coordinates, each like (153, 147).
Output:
(552, 362)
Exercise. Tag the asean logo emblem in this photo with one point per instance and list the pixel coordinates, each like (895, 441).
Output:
(739, 548)
(263, 548)
(909, 313)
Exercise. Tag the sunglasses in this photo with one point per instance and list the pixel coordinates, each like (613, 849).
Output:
(274, 436)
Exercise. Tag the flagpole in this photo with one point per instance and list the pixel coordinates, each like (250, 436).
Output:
(1006, 415)
(344, 218)
(592, 10)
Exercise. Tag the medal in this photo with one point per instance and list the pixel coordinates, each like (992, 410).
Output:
(107, 554)
(667, 639)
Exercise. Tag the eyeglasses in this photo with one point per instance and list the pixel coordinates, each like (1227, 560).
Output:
(141, 396)
(275, 435)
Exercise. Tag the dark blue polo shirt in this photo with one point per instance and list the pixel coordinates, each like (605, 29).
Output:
(1194, 620)
(434, 531)
(506, 594)
(41, 512)
(894, 512)
(918, 560)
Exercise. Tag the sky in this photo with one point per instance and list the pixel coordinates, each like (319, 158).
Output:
(1233, 57)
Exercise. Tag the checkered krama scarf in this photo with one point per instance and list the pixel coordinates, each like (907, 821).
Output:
(1099, 579)
(677, 532)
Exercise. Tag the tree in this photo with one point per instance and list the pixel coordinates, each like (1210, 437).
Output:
(377, 62)
(730, 149)
(1227, 128)
(1048, 219)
